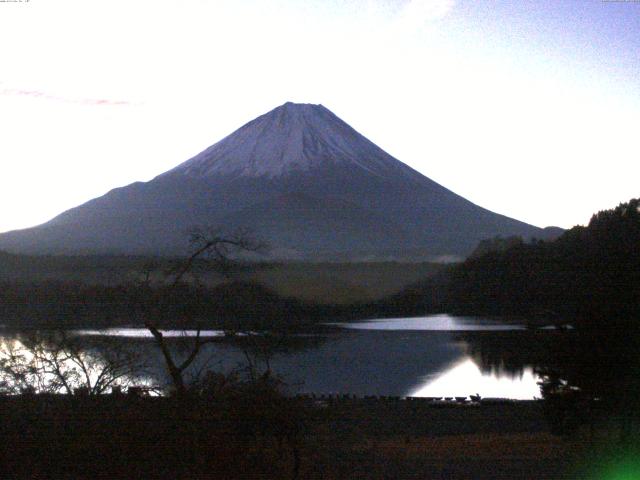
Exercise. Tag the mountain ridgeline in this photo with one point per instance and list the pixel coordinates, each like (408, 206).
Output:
(300, 179)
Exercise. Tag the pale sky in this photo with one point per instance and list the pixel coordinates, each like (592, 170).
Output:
(530, 108)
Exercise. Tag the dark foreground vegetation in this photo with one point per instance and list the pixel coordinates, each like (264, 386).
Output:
(256, 433)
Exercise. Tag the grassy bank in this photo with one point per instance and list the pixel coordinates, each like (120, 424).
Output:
(274, 437)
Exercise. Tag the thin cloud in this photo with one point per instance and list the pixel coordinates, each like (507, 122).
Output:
(417, 13)
(20, 92)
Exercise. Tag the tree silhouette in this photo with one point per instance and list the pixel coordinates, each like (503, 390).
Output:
(211, 250)
(589, 278)
(57, 362)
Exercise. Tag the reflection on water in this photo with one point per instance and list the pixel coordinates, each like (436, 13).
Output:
(53, 362)
(491, 359)
(145, 333)
(442, 322)
(405, 356)
(465, 378)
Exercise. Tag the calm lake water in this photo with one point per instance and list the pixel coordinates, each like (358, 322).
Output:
(423, 356)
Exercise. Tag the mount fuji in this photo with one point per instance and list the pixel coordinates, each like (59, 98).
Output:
(300, 179)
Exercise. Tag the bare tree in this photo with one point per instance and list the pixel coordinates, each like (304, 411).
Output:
(211, 250)
(58, 363)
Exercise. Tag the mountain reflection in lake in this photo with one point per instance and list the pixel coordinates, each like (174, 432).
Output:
(398, 357)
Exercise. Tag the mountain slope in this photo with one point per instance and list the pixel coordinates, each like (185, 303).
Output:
(301, 179)
(293, 138)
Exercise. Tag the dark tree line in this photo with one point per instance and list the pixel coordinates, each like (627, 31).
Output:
(588, 278)
(589, 273)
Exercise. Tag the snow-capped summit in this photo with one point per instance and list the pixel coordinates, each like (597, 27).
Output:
(291, 138)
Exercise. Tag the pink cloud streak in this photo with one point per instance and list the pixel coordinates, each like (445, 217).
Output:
(78, 101)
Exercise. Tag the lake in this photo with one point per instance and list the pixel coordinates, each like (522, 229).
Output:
(431, 356)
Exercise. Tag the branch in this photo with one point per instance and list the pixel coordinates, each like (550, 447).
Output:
(205, 242)
(194, 353)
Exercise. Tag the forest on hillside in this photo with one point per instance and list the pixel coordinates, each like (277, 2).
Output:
(589, 273)
(587, 283)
